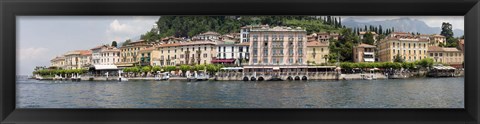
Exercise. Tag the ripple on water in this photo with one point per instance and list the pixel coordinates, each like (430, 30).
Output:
(409, 93)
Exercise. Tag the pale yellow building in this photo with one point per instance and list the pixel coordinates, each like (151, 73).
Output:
(278, 46)
(78, 59)
(317, 52)
(150, 56)
(58, 61)
(410, 48)
(194, 52)
(451, 56)
(129, 54)
(364, 53)
(437, 39)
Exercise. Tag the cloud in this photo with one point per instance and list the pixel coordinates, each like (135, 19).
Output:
(121, 29)
(32, 53)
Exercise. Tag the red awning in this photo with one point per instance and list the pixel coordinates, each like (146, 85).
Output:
(223, 61)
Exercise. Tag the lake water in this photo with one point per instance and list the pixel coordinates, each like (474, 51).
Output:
(401, 93)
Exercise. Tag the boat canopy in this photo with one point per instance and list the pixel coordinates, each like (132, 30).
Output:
(443, 67)
(231, 68)
(105, 67)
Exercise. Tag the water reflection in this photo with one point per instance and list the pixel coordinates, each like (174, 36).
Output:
(408, 93)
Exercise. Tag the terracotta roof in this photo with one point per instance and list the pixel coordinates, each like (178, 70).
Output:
(437, 35)
(244, 44)
(442, 49)
(58, 58)
(186, 43)
(316, 43)
(98, 47)
(147, 49)
(400, 33)
(85, 52)
(363, 45)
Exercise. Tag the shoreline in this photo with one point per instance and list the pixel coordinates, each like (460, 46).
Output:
(378, 76)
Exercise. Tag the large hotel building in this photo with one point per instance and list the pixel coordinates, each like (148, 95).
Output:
(409, 47)
(278, 46)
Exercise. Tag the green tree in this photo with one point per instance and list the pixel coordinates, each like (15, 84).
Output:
(114, 43)
(185, 68)
(156, 68)
(126, 42)
(398, 58)
(446, 30)
(170, 68)
(368, 38)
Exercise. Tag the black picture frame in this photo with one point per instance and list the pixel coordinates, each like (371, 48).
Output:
(9, 9)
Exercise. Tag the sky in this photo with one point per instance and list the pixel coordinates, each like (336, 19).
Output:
(41, 38)
(432, 21)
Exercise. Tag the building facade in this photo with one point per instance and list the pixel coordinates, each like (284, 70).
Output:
(317, 52)
(105, 55)
(229, 52)
(129, 54)
(436, 40)
(196, 52)
(364, 53)
(78, 59)
(451, 56)
(210, 35)
(278, 46)
(245, 31)
(409, 48)
(58, 61)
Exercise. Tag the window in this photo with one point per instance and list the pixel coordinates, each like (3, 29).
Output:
(265, 60)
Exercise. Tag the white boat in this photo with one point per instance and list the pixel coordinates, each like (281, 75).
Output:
(162, 76)
(120, 78)
(370, 76)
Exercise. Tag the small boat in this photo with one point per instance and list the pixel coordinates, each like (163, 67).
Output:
(120, 78)
(162, 76)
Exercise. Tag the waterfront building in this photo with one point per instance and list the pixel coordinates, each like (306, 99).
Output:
(195, 52)
(105, 55)
(210, 35)
(317, 52)
(408, 47)
(446, 55)
(364, 53)
(149, 56)
(228, 52)
(129, 54)
(58, 61)
(245, 31)
(78, 59)
(278, 46)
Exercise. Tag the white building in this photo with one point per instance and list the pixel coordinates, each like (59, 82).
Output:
(78, 59)
(229, 52)
(105, 55)
(210, 35)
